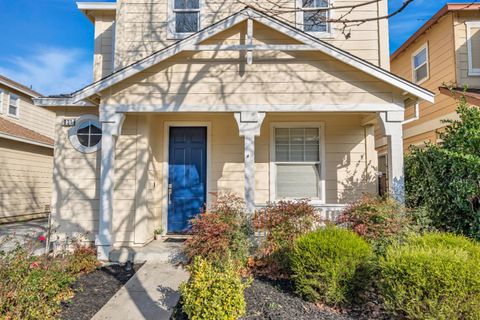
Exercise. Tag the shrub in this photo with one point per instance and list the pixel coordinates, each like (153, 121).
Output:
(378, 220)
(33, 287)
(283, 222)
(223, 230)
(213, 292)
(83, 259)
(435, 276)
(444, 179)
(328, 264)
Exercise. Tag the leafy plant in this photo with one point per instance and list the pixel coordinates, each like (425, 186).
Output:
(33, 287)
(436, 276)
(213, 292)
(328, 265)
(223, 230)
(379, 220)
(445, 179)
(283, 222)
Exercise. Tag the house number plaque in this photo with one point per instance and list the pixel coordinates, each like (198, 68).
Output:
(70, 122)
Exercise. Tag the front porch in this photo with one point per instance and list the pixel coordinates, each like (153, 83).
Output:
(333, 164)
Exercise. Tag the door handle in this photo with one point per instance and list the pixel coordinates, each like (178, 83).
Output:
(170, 191)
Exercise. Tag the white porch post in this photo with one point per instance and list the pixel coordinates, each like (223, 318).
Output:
(111, 128)
(391, 123)
(249, 124)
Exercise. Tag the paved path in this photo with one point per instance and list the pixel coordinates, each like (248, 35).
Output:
(151, 293)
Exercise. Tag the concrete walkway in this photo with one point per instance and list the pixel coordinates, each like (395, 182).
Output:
(23, 233)
(151, 293)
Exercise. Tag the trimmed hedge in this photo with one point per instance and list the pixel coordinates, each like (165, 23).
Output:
(213, 292)
(327, 264)
(436, 276)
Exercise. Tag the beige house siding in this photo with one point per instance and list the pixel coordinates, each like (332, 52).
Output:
(25, 180)
(142, 26)
(30, 116)
(274, 78)
(140, 160)
(104, 45)
(441, 48)
(460, 18)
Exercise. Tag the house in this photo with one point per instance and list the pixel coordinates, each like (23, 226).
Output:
(26, 154)
(444, 51)
(195, 98)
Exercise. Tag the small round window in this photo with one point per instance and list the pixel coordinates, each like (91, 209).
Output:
(86, 135)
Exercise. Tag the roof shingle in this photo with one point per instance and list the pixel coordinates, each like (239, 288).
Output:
(13, 129)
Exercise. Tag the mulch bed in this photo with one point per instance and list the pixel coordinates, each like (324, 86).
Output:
(93, 290)
(267, 299)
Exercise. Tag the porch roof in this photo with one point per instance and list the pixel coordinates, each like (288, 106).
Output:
(192, 43)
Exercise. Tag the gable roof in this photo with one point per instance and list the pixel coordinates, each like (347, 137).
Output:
(190, 42)
(449, 7)
(19, 87)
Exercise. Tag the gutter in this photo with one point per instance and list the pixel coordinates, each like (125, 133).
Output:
(28, 141)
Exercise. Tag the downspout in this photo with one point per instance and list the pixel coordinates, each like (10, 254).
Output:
(417, 113)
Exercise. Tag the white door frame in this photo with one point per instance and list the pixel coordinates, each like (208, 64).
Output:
(166, 143)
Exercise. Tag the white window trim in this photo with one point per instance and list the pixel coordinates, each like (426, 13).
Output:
(2, 95)
(72, 134)
(299, 20)
(427, 62)
(471, 70)
(171, 34)
(17, 105)
(273, 163)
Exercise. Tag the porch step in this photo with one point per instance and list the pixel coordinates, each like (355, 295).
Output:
(158, 251)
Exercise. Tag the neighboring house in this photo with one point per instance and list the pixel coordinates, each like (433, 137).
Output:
(444, 51)
(26, 154)
(201, 97)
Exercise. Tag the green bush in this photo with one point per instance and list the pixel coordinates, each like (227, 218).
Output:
(380, 221)
(213, 293)
(328, 264)
(444, 179)
(435, 276)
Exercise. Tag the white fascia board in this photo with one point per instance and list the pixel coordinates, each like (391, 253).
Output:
(61, 102)
(360, 107)
(241, 16)
(20, 89)
(15, 138)
(96, 6)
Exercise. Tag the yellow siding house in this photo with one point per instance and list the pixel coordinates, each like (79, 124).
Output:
(197, 98)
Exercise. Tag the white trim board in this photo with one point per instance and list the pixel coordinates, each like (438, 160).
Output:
(166, 142)
(243, 15)
(15, 138)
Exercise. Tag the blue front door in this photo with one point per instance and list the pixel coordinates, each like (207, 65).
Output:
(187, 176)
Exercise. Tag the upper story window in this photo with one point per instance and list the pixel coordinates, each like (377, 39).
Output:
(184, 18)
(2, 99)
(13, 105)
(420, 65)
(473, 43)
(313, 16)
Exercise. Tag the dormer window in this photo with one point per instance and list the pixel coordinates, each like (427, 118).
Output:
(313, 17)
(184, 18)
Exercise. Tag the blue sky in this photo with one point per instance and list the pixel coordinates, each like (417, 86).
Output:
(48, 44)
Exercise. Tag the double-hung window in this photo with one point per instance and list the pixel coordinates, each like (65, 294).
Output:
(13, 105)
(313, 16)
(420, 64)
(297, 162)
(2, 99)
(184, 18)
(473, 43)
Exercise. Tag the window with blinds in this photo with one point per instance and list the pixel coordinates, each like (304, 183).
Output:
(473, 42)
(420, 64)
(297, 163)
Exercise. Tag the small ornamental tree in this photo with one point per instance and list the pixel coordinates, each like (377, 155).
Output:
(445, 179)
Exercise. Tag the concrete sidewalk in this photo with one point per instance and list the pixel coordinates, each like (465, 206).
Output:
(24, 233)
(151, 293)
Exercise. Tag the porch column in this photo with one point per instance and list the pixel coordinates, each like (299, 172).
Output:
(391, 124)
(111, 128)
(249, 124)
